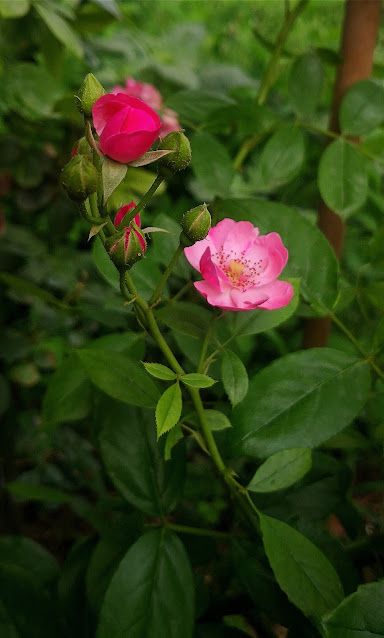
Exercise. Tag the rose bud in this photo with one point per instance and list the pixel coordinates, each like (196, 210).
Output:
(80, 178)
(196, 223)
(89, 92)
(126, 248)
(82, 148)
(240, 267)
(180, 156)
(126, 126)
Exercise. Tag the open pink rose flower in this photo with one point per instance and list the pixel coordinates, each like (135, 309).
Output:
(149, 94)
(240, 267)
(126, 126)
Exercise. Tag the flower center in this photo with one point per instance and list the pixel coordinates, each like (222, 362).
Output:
(241, 272)
(235, 270)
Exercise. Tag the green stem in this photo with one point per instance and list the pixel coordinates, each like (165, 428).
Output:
(204, 348)
(165, 276)
(197, 531)
(94, 207)
(144, 200)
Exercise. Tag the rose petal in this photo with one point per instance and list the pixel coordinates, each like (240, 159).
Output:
(279, 294)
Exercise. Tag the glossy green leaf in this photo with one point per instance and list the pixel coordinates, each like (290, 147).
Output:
(342, 178)
(60, 29)
(255, 321)
(119, 377)
(310, 256)
(300, 568)
(234, 376)
(68, 394)
(168, 409)
(159, 371)
(29, 289)
(282, 156)
(112, 174)
(14, 8)
(173, 437)
(104, 265)
(361, 615)
(186, 318)
(196, 105)
(196, 380)
(211, 164)
(29, 555)
(32, 492)
(135, 460)
(152, 591)
(362, 108)
(306, 71)
(281, 470)
(301, 399)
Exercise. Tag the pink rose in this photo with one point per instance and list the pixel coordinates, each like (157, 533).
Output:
(126, 126)
(120, 218)
(240, 267)
(151, 96)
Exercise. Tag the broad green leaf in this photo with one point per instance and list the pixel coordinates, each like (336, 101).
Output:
(135, 460)
(255, 321)
(342, 178)
(104, 265)
(301, 399)
(152, 591)
(68, 393)
(29, 290)
(14, 8)
(60, 29)
(306, 71)
(186, 318)
(282, 156)
(197, 105)
(112, 174)
(168, 409)
(361, 615)
(281, 470)
(211, 164)
(216, 420)
(310, 256)
(119, 377)
(110, 6)
(173, 437)
(26, 553)
(375, 293)
(196, 380)
(130, 343)
(159, 371)
(234, 376)
(31, 492)
(362, 108)
(300, 568)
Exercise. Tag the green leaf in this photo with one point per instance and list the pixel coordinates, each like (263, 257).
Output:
(29, 555)
(159, 371)
(112, 174)
(186, 318)
(300, 568)
(362, 108)
(173, 437)
(29, 290)
(31, 492)
(110, 6)
(310, 256)
(104, 265)
(14, 8)
(234, 376)
(211, 164)
(216, 420)
(152, 591)
(135, 461)
(60, 29)
(361, 615)
(168, 409)
(281, 470)
(197, 105)
(342, 178)
(68, 393)
(282, 156)
(306, 71)
(300, 400)
(196, 380)
(119, 377)
(255, 321)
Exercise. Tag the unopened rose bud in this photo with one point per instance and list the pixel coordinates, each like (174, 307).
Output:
(82, 148)
(180, 156)
(80, 178)
(89, 92)
(126, 248)
(196, 223)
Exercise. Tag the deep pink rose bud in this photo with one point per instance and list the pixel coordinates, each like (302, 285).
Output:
(126, 126)
(126, 248)
(240, 267)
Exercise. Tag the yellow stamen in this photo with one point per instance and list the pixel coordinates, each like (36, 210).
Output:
(236, 270)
